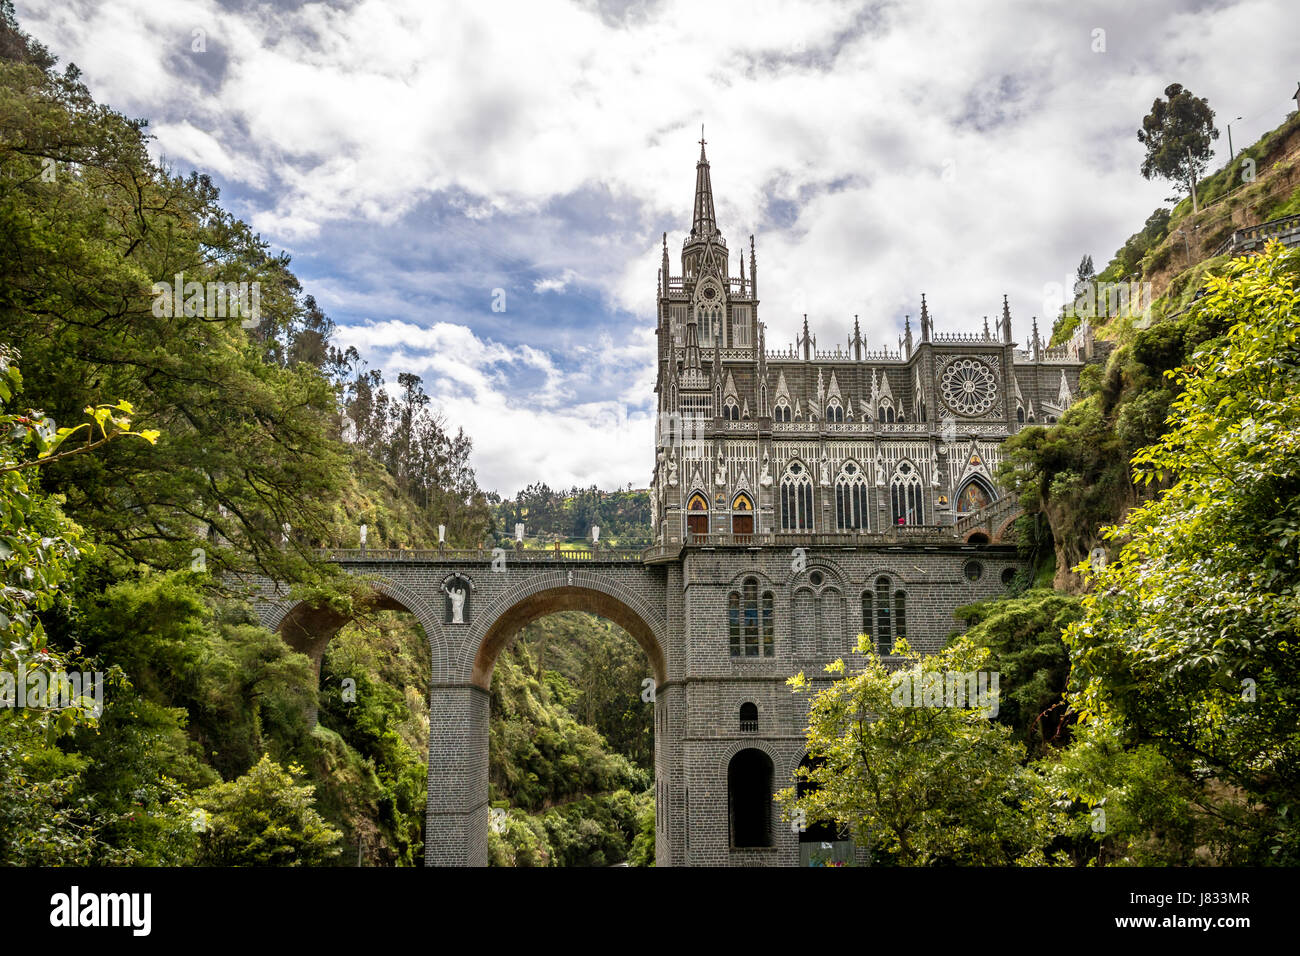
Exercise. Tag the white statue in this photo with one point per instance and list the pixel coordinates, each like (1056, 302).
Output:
(284, 533)
(363, 535)
(595, 533)
(442, 534)
(826, 471)
(765, 478)
(672, 470)
(720, 477)
(519, 531)
(457, 596)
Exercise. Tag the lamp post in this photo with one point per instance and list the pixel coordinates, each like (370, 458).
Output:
(1231, 154)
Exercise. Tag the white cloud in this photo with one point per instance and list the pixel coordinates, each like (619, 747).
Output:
(959, 149)
(523, 434)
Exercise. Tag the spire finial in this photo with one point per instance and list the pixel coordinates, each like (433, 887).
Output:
(704, 222)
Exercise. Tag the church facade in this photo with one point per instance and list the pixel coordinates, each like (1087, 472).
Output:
(801, 498)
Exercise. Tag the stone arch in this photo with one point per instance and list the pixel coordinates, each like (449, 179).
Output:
(1006, 528)
(497, 624)
(308, 630)
(978, 536)
(763, 578)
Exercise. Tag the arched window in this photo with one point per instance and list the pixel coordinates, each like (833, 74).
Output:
(750, 628)
(1020, 415)
(731, 411)
(889, 611)
(749, 798)
(851, 499)
(748, 718)
(905, 495)
(973, 496)
(742, 515)
(834, 412)
(697, 514)
(782, 412)
(796, 499)
(886, 411)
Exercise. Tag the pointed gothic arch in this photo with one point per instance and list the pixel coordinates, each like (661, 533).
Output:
(906, 495)
(975, 493)
(851, 511)
(697, 513)
(797, 498)
(742, 515)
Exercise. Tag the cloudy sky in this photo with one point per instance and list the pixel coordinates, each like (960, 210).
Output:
(414, 156)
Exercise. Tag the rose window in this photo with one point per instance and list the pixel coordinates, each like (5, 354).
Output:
(968, 387)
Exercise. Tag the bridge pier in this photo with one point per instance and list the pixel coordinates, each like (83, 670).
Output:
(455, 832)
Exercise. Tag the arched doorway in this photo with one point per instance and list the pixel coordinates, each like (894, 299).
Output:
(697, 515)
(742, 516)
(749, 799)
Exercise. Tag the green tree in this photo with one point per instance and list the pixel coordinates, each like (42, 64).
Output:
(1177, 134)
(1189, 640)
(920, 784)
(263, 818)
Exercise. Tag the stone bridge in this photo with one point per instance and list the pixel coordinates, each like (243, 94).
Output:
(723, 620)
(502, 595)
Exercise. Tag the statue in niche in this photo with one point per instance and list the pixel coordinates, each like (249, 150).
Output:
(456, 592)
(720, 476)
(765, 477)
(672, 470)
(826, 470)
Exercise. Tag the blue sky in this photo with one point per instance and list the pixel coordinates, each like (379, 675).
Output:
(415, 156)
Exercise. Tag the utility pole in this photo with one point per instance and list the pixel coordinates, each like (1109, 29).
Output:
(1231, 155)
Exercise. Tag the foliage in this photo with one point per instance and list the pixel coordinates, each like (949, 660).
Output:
(603, 672)
(1189, 638)
(1023, 637)
(622, 515)
(1177, 134)
(918, 784)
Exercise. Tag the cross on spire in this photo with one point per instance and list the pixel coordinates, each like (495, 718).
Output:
(704, 222)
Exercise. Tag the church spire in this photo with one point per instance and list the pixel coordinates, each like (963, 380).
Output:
(704, 222)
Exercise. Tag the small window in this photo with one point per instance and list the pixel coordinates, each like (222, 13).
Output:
(974, 570)
(748, 718)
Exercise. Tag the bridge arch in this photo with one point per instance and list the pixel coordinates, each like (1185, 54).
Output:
(309, 629)
(550, 592)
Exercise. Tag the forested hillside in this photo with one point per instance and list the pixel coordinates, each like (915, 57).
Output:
(220, 435)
